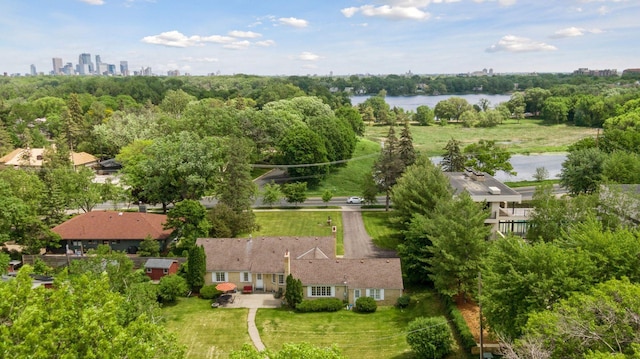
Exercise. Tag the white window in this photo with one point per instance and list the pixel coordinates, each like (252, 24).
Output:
(246, 277)
(77, 243)
(375, 293)
(219, 276)
(148, 270)
(165, 270)
(280, 279)
(320, 291)
(273, 278)
(356, 294)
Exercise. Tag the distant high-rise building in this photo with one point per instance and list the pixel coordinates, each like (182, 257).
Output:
(111, 69)
(99, 69)
(173, 73)
(85, 66)
(124, 68)
(57, 65)
(33, 70)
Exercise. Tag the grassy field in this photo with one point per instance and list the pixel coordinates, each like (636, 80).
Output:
(376, 335)
(299, 223)
(206, 332)
(377, 226)
(528, 136)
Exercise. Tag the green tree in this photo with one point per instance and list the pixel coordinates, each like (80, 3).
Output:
(196, 269)
(424, 116)
(327, 195)
(516, 106)
(96, 328)
(381, 109)
(541, 174)
(534, 99)
(271, 194)
(73, 122)
(622, 167)
(295, 193)
(171, 287)
(582, 171)
(149, 247)
(555, 110)
(226, 223)
(487, 156)
(452, 160)
(451, 109)
(175, 102)
(4, 263)
(430, 337)
(293, 292)
(458, 237)
(301, 146)
(188, 219)
(405, 146)
(389, 166)
(352, 117)
(369, 188)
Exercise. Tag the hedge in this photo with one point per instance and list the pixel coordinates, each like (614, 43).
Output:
(366, 305)
(209, 292)
(320, 305)
(460, 325)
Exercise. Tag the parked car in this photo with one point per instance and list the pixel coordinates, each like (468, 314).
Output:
(355, 200)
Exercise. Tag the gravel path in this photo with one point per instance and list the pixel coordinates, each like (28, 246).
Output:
(357, 243)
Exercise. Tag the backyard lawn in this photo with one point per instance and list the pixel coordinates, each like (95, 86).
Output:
(206, 332)
(299, 223)
(377, 225)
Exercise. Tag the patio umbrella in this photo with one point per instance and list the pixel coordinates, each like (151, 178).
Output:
(225, 287)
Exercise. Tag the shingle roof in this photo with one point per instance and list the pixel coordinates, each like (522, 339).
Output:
(260, 255)
(111, 225)
(358, 273)
(159, 263)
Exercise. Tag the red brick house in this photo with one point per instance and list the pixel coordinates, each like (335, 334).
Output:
(156, 268)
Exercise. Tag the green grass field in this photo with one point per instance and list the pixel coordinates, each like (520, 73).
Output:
(528, 136)
(299, 223)
(376, 335)
(377, 226)
(206, 332)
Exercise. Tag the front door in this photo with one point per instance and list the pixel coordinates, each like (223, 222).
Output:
(356, 294)
(259, 284)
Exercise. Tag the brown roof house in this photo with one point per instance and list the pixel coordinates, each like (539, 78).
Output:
(264, 264)
(33, 158)
(156, 268)
(122, 231)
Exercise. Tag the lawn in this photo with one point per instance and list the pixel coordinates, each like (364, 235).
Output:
(299, 223)
(377, 335)
(206, 332)
(347, 180)
(377, 225)
(528, 136)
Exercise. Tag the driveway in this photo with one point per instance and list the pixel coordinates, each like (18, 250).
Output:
(357, 243)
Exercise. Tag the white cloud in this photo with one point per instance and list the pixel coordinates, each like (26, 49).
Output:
(386, 11)
(218, 39)
(172, 39)
(501, 2)
(266, 43)
(237, 45)
(294, 22)
(245, 34)
(308, 56)
(574, 31)
(603, 10)
(512, 43)
(199, 59)
(93, 2)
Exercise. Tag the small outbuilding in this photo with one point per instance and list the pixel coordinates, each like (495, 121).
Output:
(156, 268)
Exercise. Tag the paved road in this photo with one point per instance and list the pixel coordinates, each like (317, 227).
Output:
(357, 243)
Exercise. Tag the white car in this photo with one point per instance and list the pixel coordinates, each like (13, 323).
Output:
(355, 200)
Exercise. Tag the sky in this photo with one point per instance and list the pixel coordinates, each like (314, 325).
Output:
(322, 37)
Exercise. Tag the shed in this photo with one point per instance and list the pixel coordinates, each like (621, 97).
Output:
(156, 268)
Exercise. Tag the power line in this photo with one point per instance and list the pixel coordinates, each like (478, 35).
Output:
(315, 164)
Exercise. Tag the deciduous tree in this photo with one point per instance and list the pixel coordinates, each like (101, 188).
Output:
(487, 156)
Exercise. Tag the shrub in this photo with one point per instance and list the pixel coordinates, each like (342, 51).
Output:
(320, 305)
(459, 324)
(209, 292)
(171, 287)
(403, 301)
(366, 305)
(430, 337)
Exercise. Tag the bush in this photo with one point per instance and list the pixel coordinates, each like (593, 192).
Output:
(459, 324)
(320, 305)
(403, 301)
(366, 305)
(209, 292)
(430, 337)
(171, 287)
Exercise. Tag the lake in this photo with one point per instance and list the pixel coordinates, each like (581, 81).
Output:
(525, 166)
(410, 103)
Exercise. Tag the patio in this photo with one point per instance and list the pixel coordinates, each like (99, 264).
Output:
(256, 300)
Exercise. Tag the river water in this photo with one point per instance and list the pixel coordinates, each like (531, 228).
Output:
(410, 103)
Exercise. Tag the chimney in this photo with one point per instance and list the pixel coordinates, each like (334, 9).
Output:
(287, 263)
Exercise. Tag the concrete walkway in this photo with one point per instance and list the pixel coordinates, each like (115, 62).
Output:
(253, 330)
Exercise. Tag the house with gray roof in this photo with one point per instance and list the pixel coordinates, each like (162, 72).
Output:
(264, 263)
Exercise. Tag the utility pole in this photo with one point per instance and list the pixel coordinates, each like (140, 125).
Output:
(480, 314)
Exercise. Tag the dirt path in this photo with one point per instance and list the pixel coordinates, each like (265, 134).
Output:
(357, 243)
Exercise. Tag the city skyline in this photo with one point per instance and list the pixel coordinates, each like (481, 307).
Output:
(304, 37)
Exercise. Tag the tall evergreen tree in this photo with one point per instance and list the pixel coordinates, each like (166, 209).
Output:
(453, 160)
(196, 268)
(389, 166)
(72, 122)
(405, 146)
(293, 292)
(236, 188)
